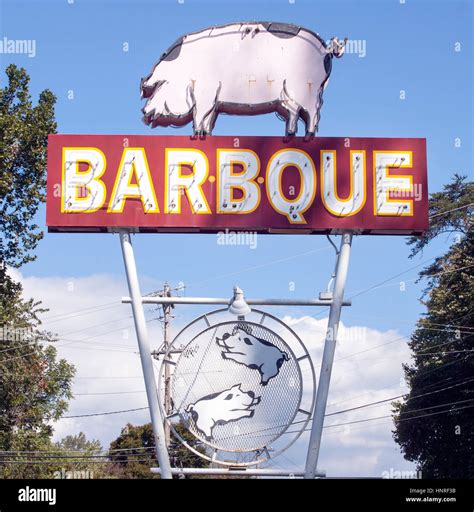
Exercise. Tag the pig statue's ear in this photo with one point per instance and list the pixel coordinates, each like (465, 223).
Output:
(247, 329)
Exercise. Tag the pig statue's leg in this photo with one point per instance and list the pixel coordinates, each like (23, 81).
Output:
(238, 358)
(221, 343)
(267, 371)
(292, 109)
(205, 426)
(204, 110)
(310, 117)
(155, 105)
(239, 413)
(314, 118)
(309, 106)
(292, 122)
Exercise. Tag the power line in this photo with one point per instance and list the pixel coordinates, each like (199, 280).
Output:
(104, 413)
(421, 353)
(363, 420)
(365, 290)
(371, 392)
(258, 267)
(81, 313)
(111, 377)
(110, 393)
(429, 372)
(47, 462)
(447, 327)
(414, 279)
(69, 347)
(82, 340)
(109, 305)
(452, 210)
(75, 451)
(444, 343)
(377, 285)
(399, 396)
(409, 412)
(398, 421)
(84, 458)
(17, 357)
(83, 309)
(330, 414)
(114, 321)
(275, 261)
(443, 352)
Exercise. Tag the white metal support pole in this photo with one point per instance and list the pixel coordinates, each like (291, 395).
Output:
(145, 354)
(342, 266)
(166, 340)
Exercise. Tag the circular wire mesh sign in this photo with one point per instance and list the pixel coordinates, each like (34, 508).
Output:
(237, 386)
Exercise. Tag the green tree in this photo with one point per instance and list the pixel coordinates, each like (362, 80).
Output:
(34, 385)
(24, 130)
(77, 457)
(433, 425)
(79, 443)
(132, 454)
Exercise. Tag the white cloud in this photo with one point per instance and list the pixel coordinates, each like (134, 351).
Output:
(361, 449)
(100, 342)
(367, 448)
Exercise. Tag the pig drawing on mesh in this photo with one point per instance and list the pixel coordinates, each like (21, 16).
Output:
(220, 408)
(241, 68)
(244, 348)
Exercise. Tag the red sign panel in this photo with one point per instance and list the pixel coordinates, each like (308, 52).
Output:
(163, 183)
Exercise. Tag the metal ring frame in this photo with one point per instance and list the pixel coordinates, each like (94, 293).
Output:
(262, 455)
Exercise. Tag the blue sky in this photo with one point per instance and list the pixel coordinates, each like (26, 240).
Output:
(409, 46)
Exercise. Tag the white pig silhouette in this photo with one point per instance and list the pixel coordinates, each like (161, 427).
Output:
(231, 404)
(240, 68)
(255, 353)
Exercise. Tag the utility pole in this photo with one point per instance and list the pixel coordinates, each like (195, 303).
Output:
(167, 316)
(166, 342)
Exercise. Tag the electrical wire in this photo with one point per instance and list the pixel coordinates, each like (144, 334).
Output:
(110, 393)
(452, 210)
(398, 396)
(330, 414)
(104, 413)
(367, 419)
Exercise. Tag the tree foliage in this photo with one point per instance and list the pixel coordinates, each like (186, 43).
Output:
(34, 385)
(450, 212)
(132, 453)
(79, 443)
(24, 132)
(433, 425)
